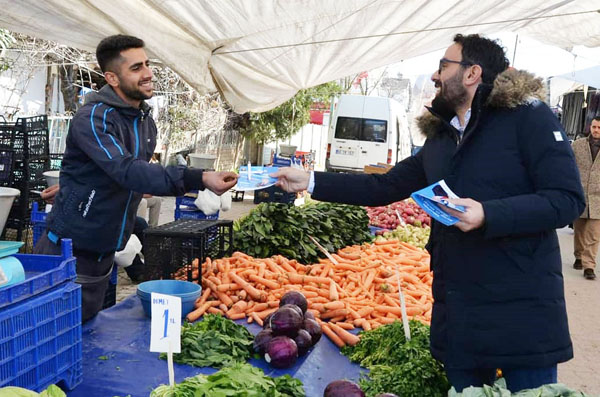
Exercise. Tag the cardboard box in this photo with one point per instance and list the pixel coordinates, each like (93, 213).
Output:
(379, 168)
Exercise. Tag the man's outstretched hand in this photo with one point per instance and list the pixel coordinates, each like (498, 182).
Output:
(219, 182)
(292, 180)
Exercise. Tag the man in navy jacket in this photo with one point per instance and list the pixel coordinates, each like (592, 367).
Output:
(498, 285)
(106, 170)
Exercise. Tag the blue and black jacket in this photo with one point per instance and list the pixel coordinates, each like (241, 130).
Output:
(106, 170)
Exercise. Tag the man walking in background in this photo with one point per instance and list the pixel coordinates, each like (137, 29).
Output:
(587, 226)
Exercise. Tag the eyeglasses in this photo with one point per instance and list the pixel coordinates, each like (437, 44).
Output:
(446, 60)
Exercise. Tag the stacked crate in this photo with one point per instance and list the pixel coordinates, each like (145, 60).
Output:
(24, 149)
(177, 249)
(40, 324)
(185, 208)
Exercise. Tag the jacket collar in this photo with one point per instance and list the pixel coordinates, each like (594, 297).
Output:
(511, 88)
(109, 97)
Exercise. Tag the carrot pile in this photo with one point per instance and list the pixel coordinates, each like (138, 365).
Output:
(360, 291)
(182, 273)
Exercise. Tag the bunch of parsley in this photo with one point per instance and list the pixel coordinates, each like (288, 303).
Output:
(396, 365)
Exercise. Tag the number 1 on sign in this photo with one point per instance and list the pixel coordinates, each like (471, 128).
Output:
(166, 315)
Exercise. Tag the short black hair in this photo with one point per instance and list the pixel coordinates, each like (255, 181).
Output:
(483, 52)
(597, 118)
(109, 49)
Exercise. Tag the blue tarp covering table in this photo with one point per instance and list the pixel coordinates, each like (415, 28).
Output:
(117, 360)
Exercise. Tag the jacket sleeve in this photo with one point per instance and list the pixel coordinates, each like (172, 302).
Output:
(95, 134)
(372, 189)
(557, 197)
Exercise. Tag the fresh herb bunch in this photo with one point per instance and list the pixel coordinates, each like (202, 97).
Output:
(396, 365)
(213, 342)
(238, 380)
(280, 229)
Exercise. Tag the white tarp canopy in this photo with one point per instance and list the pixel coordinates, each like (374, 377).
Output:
(259, 53)
(589, 76)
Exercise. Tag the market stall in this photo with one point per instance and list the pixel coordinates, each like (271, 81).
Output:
(117, 360)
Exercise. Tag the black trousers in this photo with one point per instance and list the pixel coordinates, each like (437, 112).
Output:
(93, 274)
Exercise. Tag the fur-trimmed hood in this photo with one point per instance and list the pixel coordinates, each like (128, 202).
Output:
(511, 89)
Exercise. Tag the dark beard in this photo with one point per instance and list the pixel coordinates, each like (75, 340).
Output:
(453, 93)
(134, 93)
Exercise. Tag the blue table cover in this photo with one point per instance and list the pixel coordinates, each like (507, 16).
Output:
(117, 360)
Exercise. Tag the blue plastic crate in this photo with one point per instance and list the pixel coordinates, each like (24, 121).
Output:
(281, 161)
(38, 222)
(185, 201)
(374, 229)
(40, 340)
(183, 213)
(42, 272)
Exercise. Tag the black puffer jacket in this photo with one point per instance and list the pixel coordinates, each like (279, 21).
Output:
(498, 290)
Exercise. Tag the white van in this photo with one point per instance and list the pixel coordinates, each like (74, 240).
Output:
(366, 130)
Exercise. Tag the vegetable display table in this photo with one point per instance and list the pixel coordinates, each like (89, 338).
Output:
(117, 361)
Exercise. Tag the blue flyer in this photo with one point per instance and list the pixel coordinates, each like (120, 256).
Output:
(430, 199)
(255, 178)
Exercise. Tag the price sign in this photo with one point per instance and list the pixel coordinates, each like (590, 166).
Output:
(166, 323)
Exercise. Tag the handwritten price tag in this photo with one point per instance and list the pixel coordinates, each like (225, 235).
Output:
(166, 323)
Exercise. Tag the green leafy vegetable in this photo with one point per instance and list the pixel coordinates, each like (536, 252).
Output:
(213, 342)
(13, 391)
(238, 380)
(396, 365)
(280, 229)
(499, 390)
(53, 391)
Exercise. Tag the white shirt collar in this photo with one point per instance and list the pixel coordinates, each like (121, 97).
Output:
(456, 123)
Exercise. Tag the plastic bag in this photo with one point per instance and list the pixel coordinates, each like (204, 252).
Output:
(126, 256)
(226, 201)
(208, 202)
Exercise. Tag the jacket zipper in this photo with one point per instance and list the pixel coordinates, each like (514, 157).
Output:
(136, 153)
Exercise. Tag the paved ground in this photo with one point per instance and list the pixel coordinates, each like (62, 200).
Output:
(581, 373)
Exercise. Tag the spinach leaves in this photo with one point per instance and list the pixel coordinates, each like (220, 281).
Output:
(280, 229)
(213, 342)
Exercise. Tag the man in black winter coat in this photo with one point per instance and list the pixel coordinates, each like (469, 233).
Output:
(498, 285)
(106, 170)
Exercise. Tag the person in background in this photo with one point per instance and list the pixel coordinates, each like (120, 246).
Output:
(150, 207)
(497, 286)
(106, 170)
(587, 226)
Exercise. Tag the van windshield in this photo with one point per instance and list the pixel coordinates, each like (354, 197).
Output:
(357, 129)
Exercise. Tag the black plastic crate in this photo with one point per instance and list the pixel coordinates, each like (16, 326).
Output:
(7, 163)
(170, 249)
(273, 194)
(19, 230)
(28, 137)
(30, 171)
